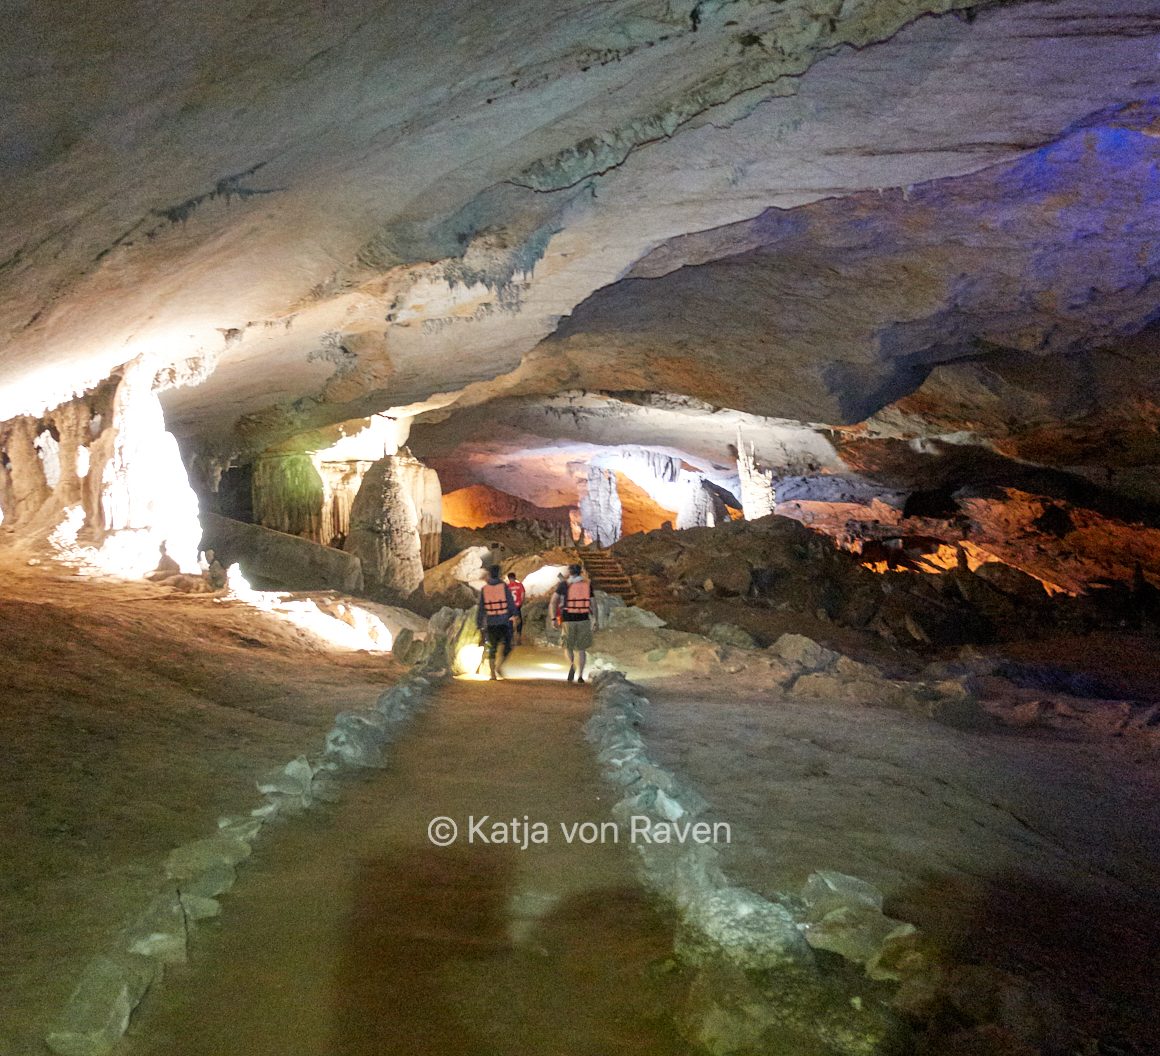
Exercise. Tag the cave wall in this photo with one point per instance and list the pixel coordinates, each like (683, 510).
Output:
(478, 505)
(100, 476)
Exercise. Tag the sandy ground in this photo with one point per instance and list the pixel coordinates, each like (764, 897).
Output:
(131, 718)
(351, 934)
(1022, 850)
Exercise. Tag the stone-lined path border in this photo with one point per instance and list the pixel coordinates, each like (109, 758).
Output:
(196, 874)
(755, 976)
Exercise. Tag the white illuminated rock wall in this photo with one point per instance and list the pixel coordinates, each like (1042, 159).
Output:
(758, 496)
(102, 475)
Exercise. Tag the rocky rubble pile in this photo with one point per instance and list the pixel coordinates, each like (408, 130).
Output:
(777, 563)
(807, 670)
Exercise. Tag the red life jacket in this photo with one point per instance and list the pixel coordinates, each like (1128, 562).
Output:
(495, 599)
(578, 601)
(517, 589)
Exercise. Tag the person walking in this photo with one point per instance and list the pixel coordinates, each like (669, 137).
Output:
(517, 589)
(494, 619)
(572, 603)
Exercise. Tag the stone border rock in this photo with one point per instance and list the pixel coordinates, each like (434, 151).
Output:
(756, 974)
(197, 873)
(756, 981)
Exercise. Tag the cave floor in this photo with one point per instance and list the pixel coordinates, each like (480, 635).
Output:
(351, 934)
(131, 718)
(1029, 851)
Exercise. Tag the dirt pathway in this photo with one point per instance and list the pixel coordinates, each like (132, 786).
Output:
(131, 718)
(350, 933)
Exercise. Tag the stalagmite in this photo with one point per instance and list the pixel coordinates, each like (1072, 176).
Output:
(100, 475)
(422, 485)
(758, 497)
(600, 511)
(145, 494)
(384, 530)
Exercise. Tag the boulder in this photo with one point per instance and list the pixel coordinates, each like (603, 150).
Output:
(465, 570)
(744, 928)
(631, 616)
(730, 634)
(214, 879)
(97, 1013)
(291, 785)
(804, 652)
(401, 646)
(162, 930)
(357, 738)
(827, 889)
(192, 860)
(857, 933)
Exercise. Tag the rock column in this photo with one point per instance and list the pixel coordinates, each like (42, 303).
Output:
(600, 510)
(287, 494)
(758, 497)
(384, 530)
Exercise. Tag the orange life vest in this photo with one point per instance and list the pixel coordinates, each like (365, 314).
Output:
(578, 601)
(495, 599)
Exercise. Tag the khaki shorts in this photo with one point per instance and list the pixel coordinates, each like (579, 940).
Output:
(577, 634)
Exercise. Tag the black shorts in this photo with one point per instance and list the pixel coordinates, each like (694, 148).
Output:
(502, 634)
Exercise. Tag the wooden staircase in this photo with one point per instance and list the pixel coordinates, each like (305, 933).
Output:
(607, 574)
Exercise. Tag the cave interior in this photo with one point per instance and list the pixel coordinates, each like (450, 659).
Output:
(824, 335)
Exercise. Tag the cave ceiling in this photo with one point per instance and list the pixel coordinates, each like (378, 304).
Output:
(855, 224)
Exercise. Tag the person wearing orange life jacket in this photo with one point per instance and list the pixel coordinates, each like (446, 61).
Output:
(573, 603)
(494, 618)
(517, 589)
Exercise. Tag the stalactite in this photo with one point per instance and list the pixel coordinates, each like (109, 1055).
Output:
(340, 484)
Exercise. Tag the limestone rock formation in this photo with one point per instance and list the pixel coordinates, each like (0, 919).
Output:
(288, 495)
(384, 530)
(600, 510)
(101, 478)
(421, 484)
(758, 494)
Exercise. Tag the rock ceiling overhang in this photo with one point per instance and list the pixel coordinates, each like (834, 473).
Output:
(325, 212)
